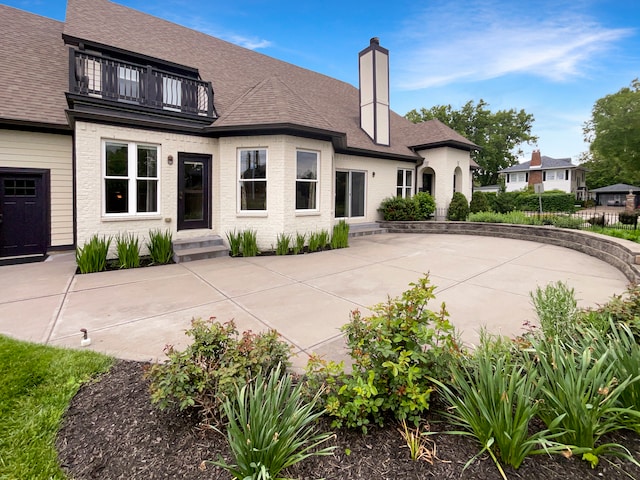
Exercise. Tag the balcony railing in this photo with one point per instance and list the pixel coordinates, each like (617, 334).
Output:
(115, 80)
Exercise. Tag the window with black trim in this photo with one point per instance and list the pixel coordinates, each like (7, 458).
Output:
(131, 178)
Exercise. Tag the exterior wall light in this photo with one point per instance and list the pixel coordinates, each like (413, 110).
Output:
(170, 159)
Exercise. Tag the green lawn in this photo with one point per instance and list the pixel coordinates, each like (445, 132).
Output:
(36, 385)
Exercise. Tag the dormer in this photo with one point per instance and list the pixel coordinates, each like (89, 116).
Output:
(108, 81)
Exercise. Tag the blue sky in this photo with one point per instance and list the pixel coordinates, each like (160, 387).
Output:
(553, 59)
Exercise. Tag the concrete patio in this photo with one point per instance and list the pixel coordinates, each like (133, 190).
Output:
(133, 314)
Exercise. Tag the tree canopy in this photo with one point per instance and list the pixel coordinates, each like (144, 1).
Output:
(614, 134)
(498, 134)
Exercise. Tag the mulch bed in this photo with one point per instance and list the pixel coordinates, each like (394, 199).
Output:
(111, 431)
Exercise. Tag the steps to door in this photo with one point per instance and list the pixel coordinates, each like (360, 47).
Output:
(199, 248)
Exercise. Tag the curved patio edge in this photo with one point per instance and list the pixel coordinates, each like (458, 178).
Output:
(621, 254)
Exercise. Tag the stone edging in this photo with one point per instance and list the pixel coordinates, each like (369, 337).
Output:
(622, 254)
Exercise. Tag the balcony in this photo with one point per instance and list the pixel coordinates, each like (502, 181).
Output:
(144, 86)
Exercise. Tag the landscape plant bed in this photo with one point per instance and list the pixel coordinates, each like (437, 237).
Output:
(112, 431)
(112, 264)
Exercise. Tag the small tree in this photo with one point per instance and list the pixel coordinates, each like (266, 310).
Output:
(458, 208)
(479, 203)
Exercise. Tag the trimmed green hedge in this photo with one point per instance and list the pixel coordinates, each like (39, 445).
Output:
(553, 201)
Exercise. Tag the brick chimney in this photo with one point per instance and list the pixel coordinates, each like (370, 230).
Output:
(374, 92)
(535, 172)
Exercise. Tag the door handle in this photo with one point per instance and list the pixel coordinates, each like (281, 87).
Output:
(180, 195)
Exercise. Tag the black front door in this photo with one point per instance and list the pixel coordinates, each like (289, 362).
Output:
(24, 226)
(194, 191)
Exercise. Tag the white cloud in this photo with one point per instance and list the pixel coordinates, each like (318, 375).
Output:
(486, 39)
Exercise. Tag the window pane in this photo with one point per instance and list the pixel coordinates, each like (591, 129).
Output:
(117, 160)
(116, 192)
(342, 193)
(147, 196)
(307, 165)
(147, 162)
(357, 194)
(253, 164)
(408, 178)
(253, 195)
(399, 192)
(400, 177)
(306, 195)
(128, 82)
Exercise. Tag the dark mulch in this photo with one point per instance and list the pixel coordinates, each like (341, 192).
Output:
(111, 431)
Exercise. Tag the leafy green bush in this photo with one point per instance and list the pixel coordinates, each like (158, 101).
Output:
(128, 248)
(395, 353)
(398, 209)
(283, 244)
(92, 257)
(567, 221)
(271, 428)
(160, 246)
(207, 371)
(552, 201)
(458, 208)
(628, 218)
(340, 236)
(516, 218)
(596, 220)
(249, 243)
(425, 205)
(479, 202)
(235, 242)
(298, 245)
(494, 400)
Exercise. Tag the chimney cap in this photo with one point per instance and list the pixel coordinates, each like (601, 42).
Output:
(374, 41)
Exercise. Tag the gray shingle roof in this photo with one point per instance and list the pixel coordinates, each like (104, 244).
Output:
(617, 188)
(251, 89)
(548, 163)
(33, 90)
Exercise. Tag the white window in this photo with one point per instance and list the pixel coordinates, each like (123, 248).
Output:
(91, 76)
(306, 180)
(404, 184)
(252, 177)
(551, 175)
(131, 178)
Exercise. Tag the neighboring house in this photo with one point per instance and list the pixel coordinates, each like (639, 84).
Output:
(615, 195)
(118, 121)
(487, 188)
(552, 173)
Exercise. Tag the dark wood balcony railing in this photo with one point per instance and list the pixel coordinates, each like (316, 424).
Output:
(109, 79)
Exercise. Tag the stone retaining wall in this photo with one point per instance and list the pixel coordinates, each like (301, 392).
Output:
(622, 254)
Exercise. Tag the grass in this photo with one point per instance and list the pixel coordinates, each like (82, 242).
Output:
(37, 385)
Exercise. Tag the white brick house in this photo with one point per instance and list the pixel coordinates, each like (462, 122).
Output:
(142, 133)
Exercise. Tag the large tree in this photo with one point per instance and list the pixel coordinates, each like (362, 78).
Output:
(614, 134)
(498, 134)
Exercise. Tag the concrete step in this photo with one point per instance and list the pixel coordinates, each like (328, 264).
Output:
(199, 253)
(197, 242)
(360, 230)
(199, 248)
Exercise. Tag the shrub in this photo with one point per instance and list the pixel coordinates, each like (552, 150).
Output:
(283, 244)
(92, 257)
(425, 205)
(395, 352)
(556, 307)
(567, 221)
(160, 246)
(458, 208)
(628, 218)
(479, 203)
(235, 241)
(340, 236)
(128, 248)
(206, 372)
(249, 243)
(271, 428)
(318, 240)
(494, 401)
(597, 220)
(552, 201)
(298, 245)
(398, 209)
(583, 392)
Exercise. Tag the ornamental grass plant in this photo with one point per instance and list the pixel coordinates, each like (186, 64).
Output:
(160, 246)
(128, 249)
(92, 256)
(271, 427)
